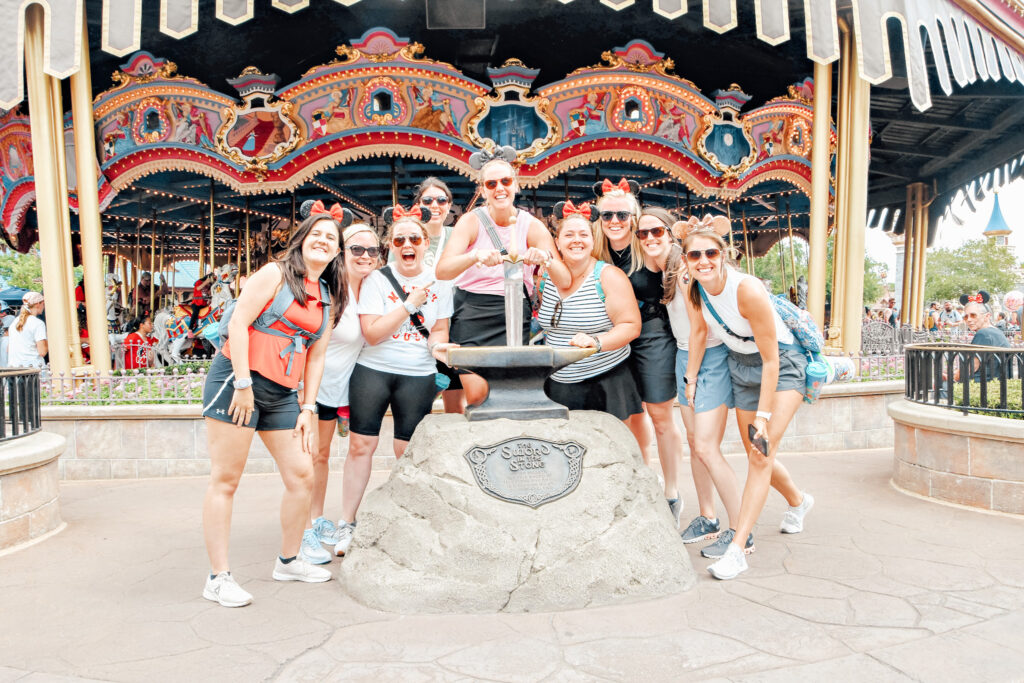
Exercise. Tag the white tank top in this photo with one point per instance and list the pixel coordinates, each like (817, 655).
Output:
(727, 308)
(680, 323)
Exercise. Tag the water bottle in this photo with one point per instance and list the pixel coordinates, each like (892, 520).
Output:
(816, 375)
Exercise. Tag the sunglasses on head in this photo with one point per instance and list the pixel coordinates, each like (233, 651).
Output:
(655, 232)
(556, 315)
(505, 182)
(694, 254)
(357, 251)
(623, 216)
(400, 240)
(440, 201)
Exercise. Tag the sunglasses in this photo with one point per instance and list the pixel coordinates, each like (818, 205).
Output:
(556, 315)
(357, 251)
(505, 182)
(694, 254)
(440, 201)
(655, 232)
(413, 240)
(622, 216)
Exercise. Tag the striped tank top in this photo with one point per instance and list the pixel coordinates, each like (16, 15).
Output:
(582, 311)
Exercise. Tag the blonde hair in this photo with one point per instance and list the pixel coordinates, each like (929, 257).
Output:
(596, 251)
(22, 317)
(419, 224)
(723, 246)
(355, 229)
(480, 173)
(636, 258)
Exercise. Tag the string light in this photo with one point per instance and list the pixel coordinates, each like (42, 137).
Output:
(206, 202)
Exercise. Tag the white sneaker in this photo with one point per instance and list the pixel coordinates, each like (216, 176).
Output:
(732, 564)
(299, 570)
(311, 551)
(793, 520)
(225, 590)
(344, 538)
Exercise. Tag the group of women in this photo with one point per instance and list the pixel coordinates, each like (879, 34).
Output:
(326, 334)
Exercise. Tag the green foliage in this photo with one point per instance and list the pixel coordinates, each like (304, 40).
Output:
(978, 264)
(26, 270)
(1013, 397)
(128, 387)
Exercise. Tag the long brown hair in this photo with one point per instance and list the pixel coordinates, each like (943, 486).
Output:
(293, 268)
(636, 261)
(674, 264)
(693, 292)
(429, 183)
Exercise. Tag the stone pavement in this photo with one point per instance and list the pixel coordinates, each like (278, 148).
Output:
(880, 587)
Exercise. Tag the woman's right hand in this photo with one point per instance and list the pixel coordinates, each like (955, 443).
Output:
(418, 296)
(691, 393)
(487, 257)
(242, 405)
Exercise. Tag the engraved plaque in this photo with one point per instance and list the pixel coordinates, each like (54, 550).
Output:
(527, 470)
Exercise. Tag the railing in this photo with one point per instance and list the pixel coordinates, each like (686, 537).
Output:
(976, 379)
(155, 386)
(875, 368)
(19, 402)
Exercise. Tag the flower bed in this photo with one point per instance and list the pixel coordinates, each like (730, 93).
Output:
(179, 385)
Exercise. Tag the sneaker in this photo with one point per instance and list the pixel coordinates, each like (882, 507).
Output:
(344, 538)
(718, 548)
(299, 570)
(326, 531)
(732, 564)
(311, 551)
(793, 520)
(701, 529)
(675, 506)
(225, 590)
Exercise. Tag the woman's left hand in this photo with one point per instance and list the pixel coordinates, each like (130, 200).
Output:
(583, 341)
(306, 430)
(439, 351)
(536, 257)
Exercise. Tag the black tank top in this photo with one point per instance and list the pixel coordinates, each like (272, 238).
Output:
(647, 287)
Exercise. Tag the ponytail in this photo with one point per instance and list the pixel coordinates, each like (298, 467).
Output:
(22, 317)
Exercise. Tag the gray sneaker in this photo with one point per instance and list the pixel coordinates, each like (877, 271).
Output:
(344, 537)
(717, 549)
(793, 520)
(675, 506)
(701, 529)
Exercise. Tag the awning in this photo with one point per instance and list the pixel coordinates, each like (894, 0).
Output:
(970, 40)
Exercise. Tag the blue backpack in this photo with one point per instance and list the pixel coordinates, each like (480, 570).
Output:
(807, 333)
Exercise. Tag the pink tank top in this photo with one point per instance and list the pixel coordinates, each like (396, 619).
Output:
(490, 279)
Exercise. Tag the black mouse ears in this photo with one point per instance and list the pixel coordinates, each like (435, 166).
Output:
(317, 207)
(982, 297)
(478, 159)
(417, 213)
(565, 209)
(605, 186)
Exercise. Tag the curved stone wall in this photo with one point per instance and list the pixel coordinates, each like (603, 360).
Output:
(972, 460)
(29, 505)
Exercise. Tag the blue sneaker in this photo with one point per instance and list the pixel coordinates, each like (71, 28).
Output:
(718, 548)
(701, 529)
(311, 551)
(675, 506)
(326, 531)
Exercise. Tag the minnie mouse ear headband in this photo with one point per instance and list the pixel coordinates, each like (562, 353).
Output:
(719, 225)
(317, 208)
(982, 297)
(587, 210)
(393, 214)
(478, 159)
(605, 186)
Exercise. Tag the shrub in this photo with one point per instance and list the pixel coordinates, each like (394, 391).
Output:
(1013, 398)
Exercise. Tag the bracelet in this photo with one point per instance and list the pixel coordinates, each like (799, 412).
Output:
(765, 414)
(597, 342)
(242, 383)
(311, 407)
(431, 347)
(409, 308)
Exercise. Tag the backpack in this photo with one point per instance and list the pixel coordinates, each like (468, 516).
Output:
(300, 339)
(807, 333)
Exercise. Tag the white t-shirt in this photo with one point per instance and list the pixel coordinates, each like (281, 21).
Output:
(680, 323)
(21, 352)
(339, 359)
(405, 351)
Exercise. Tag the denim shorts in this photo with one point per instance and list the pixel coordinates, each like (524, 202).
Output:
(714, 384)
(745, 369)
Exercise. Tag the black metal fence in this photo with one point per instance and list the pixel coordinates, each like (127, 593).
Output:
(978, 379)
(19, 402)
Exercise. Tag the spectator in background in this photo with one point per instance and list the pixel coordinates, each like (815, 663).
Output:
(200, 298)
(949, 316)
(978, 316)
(931, 319)
(27, 344)
(139, 344)
(1000, 322)
(141, 293)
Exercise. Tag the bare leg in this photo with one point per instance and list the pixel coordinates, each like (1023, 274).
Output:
(640, 425)
(709, 428)
(297, 474)
(761, 474)
(321, 468)
(475, 389)
(228, 447)
(670, 444)
(701, 477)
(400, 447)
(454, 401)
(357, 473)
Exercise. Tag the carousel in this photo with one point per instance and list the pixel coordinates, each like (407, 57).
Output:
(195, 133)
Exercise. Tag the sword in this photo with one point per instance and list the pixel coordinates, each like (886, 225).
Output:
(513, 271)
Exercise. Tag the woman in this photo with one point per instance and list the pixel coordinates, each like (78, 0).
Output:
(474, 255)
(27, 344)
(396, 366)
(138, 345)
(767, 368)
(705, 419)
(653, 352)
(597, 311)
(276, 342)
(362, 254)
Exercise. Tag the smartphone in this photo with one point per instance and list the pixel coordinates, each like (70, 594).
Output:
(760, 443)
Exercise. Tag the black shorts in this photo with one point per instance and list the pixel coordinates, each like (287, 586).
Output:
(653, 360)
(276, 407)
(370, 392)
(326, 413)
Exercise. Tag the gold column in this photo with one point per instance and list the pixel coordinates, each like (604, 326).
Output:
(248, 248)
(920, 255)
(89, 225)
(124, 281)
(857, 206)
(837, 319)
(202, 252)
(212, 214)
(909, 244)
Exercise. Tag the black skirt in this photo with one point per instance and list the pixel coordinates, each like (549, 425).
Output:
(479, 319)
(613, 392)
(653, 359)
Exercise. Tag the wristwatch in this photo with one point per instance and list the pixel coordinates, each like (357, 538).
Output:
(242, 383)
(410, 309)
(687, 380)
(311, 407)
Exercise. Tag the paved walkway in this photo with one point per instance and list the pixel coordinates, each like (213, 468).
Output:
(880, 587)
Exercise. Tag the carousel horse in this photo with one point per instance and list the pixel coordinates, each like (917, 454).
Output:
(171, 325)
(117, 314)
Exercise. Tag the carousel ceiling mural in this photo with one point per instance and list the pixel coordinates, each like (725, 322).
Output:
(969, 40)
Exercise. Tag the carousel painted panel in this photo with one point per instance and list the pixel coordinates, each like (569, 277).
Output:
(103, 189)
(17, 182)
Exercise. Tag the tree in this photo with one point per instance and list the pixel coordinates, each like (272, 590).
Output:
(22, 270)
(978, 264)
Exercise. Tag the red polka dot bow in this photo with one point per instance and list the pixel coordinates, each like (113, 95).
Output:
(335, 212)
(607, 186)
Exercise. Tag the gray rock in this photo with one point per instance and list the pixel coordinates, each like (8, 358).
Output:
(430, 540)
